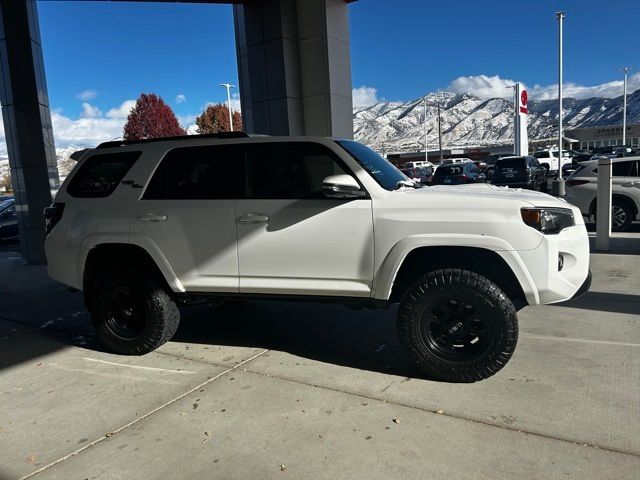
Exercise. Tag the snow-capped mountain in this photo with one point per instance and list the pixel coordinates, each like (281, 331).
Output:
(65, 163)
(470, 121)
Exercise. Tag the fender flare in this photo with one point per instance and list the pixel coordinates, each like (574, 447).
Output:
(386, 273)
(144, 242)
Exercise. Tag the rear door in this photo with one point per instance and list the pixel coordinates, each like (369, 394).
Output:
(630, 185)
(188, 211)
(291, 238)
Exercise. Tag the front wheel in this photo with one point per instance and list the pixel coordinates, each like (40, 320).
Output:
(132, 313)
(457, 326)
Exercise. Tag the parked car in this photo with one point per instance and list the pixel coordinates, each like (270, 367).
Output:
(549, 159)
(421, 174)
(451, 161)
(578, 156)
(8, 219)
(418, 164)
(520, 172)
(145, 226)
(612, 151)
(458, 173)
(582, 190)
(490, 163)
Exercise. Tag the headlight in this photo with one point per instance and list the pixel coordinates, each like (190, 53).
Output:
(548, 220)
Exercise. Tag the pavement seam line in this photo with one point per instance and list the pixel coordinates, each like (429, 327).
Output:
(142, 417)
(456, 416)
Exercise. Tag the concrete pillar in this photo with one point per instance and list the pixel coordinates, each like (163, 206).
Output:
(603, 204)
(295, 67)
(27, 121)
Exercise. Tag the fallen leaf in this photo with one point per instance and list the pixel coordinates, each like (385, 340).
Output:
(208, 434)
(31, 459)
(440, 411)
(364, 404)
(396, 420)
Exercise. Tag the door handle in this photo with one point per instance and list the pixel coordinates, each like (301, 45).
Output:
(152, 217)
(252, 217)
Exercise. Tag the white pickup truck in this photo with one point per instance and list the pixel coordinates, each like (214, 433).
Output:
(144, 226)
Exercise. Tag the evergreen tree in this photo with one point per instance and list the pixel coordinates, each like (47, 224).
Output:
(215, 118)
(151, 118)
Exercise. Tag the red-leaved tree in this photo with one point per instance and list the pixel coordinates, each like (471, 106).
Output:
(215, 118)
(151, 118)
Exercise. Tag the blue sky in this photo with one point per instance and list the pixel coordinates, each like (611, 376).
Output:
(99, 55)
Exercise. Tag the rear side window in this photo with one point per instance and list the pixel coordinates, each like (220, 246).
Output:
(99, 175)
(207, 172)
(289, 170)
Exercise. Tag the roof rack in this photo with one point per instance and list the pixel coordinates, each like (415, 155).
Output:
(219, 135)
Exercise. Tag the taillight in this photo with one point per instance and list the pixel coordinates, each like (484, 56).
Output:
(574, 183)
(52, 215)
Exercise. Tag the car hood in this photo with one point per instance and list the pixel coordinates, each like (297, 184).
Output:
(487, 191)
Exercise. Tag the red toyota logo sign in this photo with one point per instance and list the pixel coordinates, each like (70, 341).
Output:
(523, 102)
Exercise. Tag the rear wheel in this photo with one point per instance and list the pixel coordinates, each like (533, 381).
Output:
(131, 312)
(621, 216)
(457, 326)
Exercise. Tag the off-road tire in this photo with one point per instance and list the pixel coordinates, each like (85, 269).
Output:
(161, 314)
(497, 310)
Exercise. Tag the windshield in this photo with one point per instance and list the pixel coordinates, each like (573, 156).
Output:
(381, 170)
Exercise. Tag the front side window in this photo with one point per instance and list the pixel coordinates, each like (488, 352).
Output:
(382, 171)
(99, 175)
(293, 170)
(207, 172)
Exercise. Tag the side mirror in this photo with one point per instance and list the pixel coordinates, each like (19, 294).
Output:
(342, 186)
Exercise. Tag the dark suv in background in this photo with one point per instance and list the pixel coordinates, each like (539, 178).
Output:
(458, 173)
(521, 172)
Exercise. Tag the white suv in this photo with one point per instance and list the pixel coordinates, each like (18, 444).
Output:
(144, 226)
(549, 159)
(582, 190)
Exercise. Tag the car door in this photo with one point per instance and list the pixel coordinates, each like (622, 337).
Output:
(630, 186)
(188, 212)
(291, 238)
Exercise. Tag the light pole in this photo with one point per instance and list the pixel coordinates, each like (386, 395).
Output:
(424, 111)
(624, 107)
(557, 187)
(228, 86)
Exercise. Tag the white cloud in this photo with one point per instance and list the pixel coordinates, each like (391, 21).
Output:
(608, 89)
(87, 95)
(483, 86)
(121, 112)
(365, 96)
(181, 98)
(90, 111)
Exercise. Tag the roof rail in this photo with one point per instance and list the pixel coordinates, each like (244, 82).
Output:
(219, 135)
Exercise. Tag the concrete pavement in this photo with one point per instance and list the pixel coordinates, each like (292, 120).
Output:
(278, 390)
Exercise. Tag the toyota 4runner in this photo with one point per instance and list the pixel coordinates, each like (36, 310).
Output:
(144, 226)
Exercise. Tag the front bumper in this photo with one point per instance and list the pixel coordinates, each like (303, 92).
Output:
(551, 283)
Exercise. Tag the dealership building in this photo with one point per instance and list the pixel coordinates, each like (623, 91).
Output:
(589, 138)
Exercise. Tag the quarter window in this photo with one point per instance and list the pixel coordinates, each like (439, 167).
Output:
(99, 175)
(207, 172)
